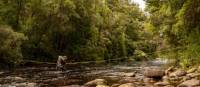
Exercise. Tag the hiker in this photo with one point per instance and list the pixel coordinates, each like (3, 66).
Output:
(61, 62)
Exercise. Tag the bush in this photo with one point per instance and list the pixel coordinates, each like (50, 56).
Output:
(10, 46)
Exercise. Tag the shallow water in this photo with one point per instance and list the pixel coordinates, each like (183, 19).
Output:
(75, 75)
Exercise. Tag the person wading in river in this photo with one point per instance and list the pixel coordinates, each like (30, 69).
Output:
(61, 63)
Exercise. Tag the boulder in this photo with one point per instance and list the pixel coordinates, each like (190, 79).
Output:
(175, 80)
(178, 73)
(169, 86)
(115, 85)
(102, 86)
(129, 74)
(190, 83)
(127, 80)
(165, 78)
(127, 85)
(96, 82)
(169, 70)
(72, 86)
(148, 80)
(192, 75)
(154, 72)
(14, 79)
(192, 70)
(185, 78)
(112, 78)
(21, 85)
(31, 85)
(1, 73)
(162, 84)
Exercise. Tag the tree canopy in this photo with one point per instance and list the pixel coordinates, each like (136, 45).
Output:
(81, 29)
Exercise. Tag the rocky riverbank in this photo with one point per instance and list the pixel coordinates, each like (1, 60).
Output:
(124, 75)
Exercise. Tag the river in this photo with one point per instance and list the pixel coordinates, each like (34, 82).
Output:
(48, 76)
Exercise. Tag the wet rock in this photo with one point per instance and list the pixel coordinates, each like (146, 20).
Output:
(169, 70)
(95, 82)
(178, 73)
(1, 73)
(61, 81)
(115, 85)
(169, 86)
(127, 80)
(198, 69)
(20, 85)
(129, 74)
(13, 79)
(165, 78)
(72, 86)
(148, 80)
(190, 83)
(102, 86)
(162, 84)
(31, 85)
(192, 70)
(112, 78)
(154, 72)
(185, 78)
(127, 85)
(192, 75)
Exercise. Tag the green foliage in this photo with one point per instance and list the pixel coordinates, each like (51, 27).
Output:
(81, 29)
(180, 26)
(10, 49)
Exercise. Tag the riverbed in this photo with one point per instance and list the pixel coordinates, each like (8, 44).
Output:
(79, 74)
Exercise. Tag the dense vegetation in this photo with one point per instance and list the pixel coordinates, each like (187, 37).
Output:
(86, 30)
(178, 21)
(81, 29)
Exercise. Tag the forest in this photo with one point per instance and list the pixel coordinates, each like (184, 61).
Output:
(96, 30)
(113, 31)
(83, 30)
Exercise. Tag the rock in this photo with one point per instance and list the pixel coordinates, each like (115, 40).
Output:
(170, 69)
(13, 79)
(198, 69)
(1, 73)
(72, 86)
(115, 85)
(192, 75)
(175, 78)
(185, 78)
(127, 85)
(132, 74)
(21, 85)
(169, 86)
(162, 84)
(129, 74)
(112, 78)
(190, 83)
(96, 82)
(165, 78)
(31, 85)
(192, 70)
(127, 80)
(178, 73)
(154, 72)
(7, 85)
(102, 86)
(148, 80)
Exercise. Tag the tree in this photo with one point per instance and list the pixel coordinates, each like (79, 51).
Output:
(10, 49)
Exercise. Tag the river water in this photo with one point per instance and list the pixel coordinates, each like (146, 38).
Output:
(48, 76)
